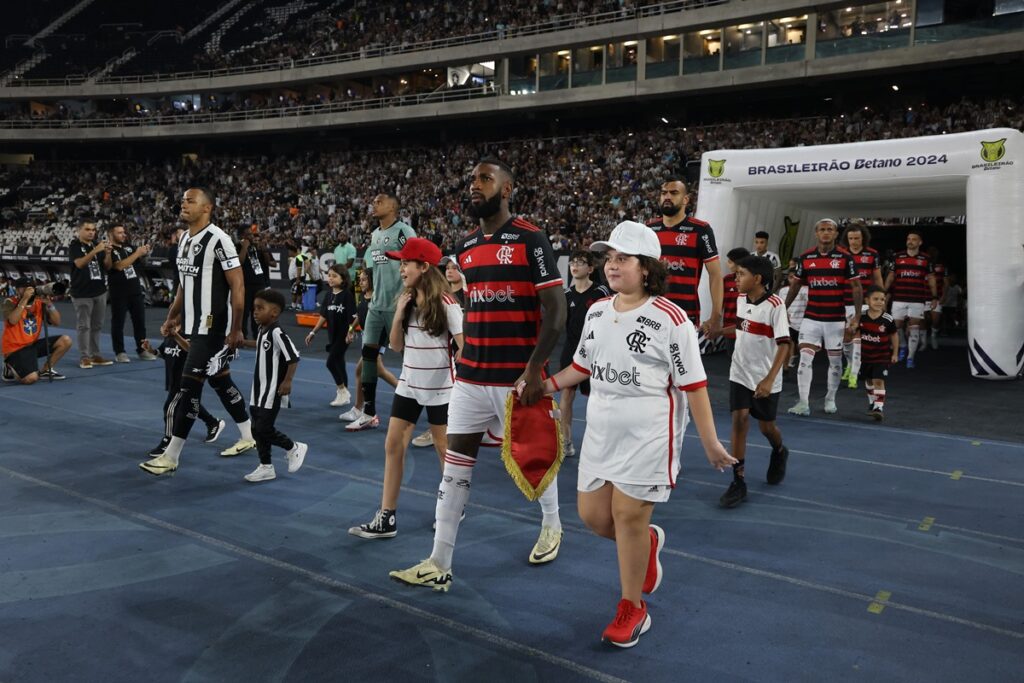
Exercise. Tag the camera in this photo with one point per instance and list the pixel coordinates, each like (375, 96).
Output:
(52, 289)
(49, 289)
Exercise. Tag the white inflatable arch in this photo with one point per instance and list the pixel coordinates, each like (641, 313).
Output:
(978, 174)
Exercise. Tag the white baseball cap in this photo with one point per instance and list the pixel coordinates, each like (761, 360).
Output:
(630, 237)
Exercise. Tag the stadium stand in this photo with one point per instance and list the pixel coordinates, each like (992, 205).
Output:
(580, 184)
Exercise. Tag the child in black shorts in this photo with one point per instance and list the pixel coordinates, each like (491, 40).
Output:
(755, 376)
(880, 348)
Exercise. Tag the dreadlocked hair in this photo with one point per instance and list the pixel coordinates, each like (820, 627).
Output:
(433, 317)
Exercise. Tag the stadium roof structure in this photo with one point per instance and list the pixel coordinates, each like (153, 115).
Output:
(979, 175)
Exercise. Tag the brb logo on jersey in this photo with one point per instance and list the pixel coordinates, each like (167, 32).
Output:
(637, 341)
(504, 255)
(486, 295)
(609, 374)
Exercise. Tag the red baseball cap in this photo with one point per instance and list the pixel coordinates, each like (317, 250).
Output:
(417, 249)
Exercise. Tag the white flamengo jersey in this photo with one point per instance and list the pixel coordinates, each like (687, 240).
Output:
(202, 260)
(640, 362)
(428, 370)
(760, 328)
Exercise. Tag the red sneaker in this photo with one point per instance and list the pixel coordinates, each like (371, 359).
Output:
(653, 578)
(629, 624)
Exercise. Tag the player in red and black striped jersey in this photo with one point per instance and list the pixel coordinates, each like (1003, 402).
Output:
(880, 344)
(856, 239)
(941, 274)
(910, 283)
(687, 246)
(828, 272)
(510, 278)
(730, 293)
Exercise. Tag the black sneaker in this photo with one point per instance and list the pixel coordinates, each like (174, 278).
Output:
(159, 450)
(777, 466)
(213, 430)
(877, 414)
(9, 375)
(736, 494)
(51, 375)
(381, 526)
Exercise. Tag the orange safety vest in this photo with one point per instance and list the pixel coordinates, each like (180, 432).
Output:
(25, 331)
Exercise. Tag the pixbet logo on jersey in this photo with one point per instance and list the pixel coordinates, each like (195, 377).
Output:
(487, 295)
(504, 254)
(823, 282)
(612, 376)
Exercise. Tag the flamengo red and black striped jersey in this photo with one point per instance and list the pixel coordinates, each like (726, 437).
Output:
(504, 273)
(866, 263)
(685, 248)
(940, 278)
(876, 339)
(911, 282)
(827, 278)
(729, 301)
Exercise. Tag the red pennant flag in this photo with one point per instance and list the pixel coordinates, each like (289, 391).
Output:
(532, 449)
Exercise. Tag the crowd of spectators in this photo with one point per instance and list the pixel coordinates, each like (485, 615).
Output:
(576, 187)
(359, 25)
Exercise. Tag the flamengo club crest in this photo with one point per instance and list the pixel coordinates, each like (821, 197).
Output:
(835, 263)
(505, 255)
(681, 239)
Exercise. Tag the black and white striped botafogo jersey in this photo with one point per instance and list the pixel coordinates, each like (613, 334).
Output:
(202, 260)
(274, 353)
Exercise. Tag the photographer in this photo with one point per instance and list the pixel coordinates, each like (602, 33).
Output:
(89, 263)
(126, 295)
(21, 344)
(255, 258)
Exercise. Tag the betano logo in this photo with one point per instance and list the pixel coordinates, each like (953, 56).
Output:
(993, 151)
(716, 168)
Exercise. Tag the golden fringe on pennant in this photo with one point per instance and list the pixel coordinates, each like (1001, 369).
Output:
(512, 467)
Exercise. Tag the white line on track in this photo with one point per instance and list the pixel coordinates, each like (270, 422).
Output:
(322, 579)
(468, 629)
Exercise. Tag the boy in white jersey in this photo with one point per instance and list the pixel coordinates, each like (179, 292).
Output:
(426, 318)
(755, 376)
(640, 347)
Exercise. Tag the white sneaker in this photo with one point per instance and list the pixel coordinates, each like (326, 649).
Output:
(262, 473)
(801, 408)
(296, 456)
(341, 398)
(569, 448)
(239, 447)
(830, 407)
(145, 354)
(547, 545)
(122, 358)
(351, 415)
(364, 422)
(423, 440)
(159, 465)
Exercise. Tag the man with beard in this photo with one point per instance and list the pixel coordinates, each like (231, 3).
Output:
(390, 235)
(510, 276)
(207, 308)
(911, 283)
(687, 246)
(828, 271)
(856, 239)
(126, 295)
